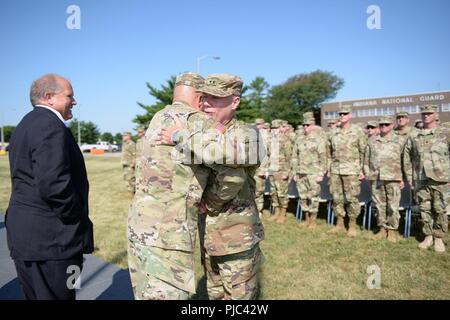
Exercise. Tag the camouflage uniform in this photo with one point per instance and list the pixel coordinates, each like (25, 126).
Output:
(382, 166)
(262, 172)
(426, 160)
(233, 226)
(162, 220)
(347, 147)
(128, 164)
(309, 161)
(279, 167)
(139, 143)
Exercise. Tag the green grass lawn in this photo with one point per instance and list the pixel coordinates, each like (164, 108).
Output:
(299, 263)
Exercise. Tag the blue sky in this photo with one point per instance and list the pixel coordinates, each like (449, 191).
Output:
(123, 44)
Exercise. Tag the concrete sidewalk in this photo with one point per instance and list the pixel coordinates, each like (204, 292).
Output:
(99, 280)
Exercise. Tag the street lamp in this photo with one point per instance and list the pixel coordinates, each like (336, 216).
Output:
(199, 60)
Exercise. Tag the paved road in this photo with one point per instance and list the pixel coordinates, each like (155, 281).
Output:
(99, 280)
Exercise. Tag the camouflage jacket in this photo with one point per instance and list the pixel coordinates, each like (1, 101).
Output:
(309, 155)
(265, 138)
(169, 187)
(426, 156)
(347, 149)
(382, 159)
(129, 154)
(280, 152)
(139, 144)
(232, 224)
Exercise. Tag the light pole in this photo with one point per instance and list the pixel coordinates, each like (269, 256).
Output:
(199, 60)
(79, 130)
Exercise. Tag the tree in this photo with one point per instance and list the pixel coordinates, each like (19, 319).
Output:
(107, 136)
(88, 130)
(253, 100)
(7, 132)
(118, 138)
(163, 97)
(301, 93)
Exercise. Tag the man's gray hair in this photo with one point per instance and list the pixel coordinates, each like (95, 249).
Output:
(46, 84)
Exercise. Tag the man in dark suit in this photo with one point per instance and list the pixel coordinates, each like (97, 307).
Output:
(47, 221)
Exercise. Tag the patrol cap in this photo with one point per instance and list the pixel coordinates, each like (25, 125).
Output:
(141, 128)
(276, 123)
(126, 133)
(345, 108)
(418, 121)
(308, 115)
(259, 121)
(222, 85)
(386, 120)
(372, 123)
(267, 125)
(308, 120)
(402, 114)
(429, 108)
(332, 121)
(299, 127)
(190, 79)
(284, 122)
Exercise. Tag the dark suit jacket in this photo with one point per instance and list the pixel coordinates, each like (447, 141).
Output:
(47, 217)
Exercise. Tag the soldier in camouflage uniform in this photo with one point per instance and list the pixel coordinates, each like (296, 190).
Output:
(233, 226)
(403, 128)
(382, 167)
(347, 146)
(128, 161)
(262, 172)
(372, 129)
(139, 142)
(279, 170)
(426, 160)
(162, 220)
(309, 164)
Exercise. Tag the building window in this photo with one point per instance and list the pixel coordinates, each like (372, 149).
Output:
(445, 107)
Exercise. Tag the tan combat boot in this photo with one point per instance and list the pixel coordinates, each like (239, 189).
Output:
(392, 236)
(305, 222)
(381, 234)
(312, 221)
(339, 225)
(352, 228)
(275, 215)
(282, 216)
(428, 242)
(439, 245)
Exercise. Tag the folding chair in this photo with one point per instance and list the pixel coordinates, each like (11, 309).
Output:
(365, 199)
(406, 204)
(325, 196)
(267, 192)
(294, 194)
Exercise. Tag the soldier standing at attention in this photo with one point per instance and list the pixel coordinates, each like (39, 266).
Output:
(141, 134)
(309, 165)
(128, 161)
(382, 167)
(347, 147)
(403, 129)
(426, 162)
(372, 129)
(262, 172)
(279, 168)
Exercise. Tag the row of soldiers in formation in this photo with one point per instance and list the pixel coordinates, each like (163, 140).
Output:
(174, 197)
(388, 158)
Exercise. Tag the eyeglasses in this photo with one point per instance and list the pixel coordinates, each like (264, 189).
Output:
(371, 127)
(342, 114)
(384, 125)
(306, 125)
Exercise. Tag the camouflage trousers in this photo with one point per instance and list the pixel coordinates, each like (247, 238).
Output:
(386, 197)
(279, 191)
(345, 190)
(433, 200)
(259, 192)
(309, 191)
(234, 276)
(129, 177)
(159, 274)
